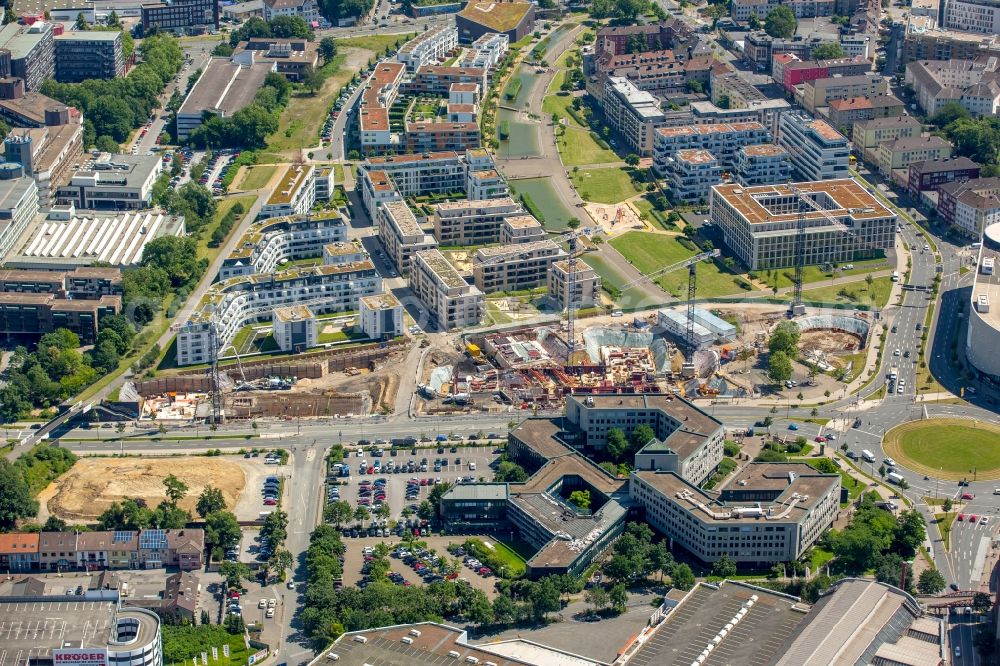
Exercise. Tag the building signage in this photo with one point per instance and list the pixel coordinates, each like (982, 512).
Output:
(80, 657)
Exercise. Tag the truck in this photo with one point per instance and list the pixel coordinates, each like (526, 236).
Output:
(868, 456)
(893, 373)
(892, 477)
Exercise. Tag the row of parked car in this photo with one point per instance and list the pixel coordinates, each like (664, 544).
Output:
(372, 494)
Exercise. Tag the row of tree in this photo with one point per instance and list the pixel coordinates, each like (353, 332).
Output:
(23, 479)
(975, 138)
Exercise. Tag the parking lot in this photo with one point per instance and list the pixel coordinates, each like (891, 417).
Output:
(251, 501)
(458, 464)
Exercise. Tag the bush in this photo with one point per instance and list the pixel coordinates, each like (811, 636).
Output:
(532, 207)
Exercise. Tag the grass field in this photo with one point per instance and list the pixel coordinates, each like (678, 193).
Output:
(577, 148)
(181, 643)
(947, 448)
(609, 276)
(650, 252)
(374, 43)
(783, 277)
(855, 293)
(559, 104)
(945, 521)
(204, 251)
(256, 177)
(604, 185)
(557, 81)
(650, 214)
(542, 192)
(298, 126)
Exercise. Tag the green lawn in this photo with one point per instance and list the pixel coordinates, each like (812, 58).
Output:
(945, 521)
(502, 554)
(204, 251)
(609, 276)
(542, 193)
(557, 81)
(604, 185)
(649, 212)
(343, 335)
(784, 277)
(948, 448)
(650, 252)
(559, 104)
(181, 643)
(818, 558)
(256, 177)
(375, 43)
(578, 148)
(855, 293)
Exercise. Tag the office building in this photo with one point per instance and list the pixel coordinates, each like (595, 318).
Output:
(762, 164)
(582, 289)
(271, 242)
(815, 94)
(472, 222)
(514, 267)
(973, 84)
(690, 174)
(928, 176)
(181, 16)
(633, 113)
(113, 182)
(401, 235)
(757, 223)
(31, 52)
(225, 87)
(970, 206)
(79, 283)
(381, 316)
(450, 300)
(767, 513)
(31, 315)
(294, 195)
(292, 58)
(32, 109)
(722, 140)
(294, 328)
(18, 206)
(979, 16)
(232, 304)
(513, 18)
(817, 151)
(789, 71)
(91, 54)
(47, 154)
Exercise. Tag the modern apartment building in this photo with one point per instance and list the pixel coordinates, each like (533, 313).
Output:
(901, 153)
(970, 206)
(789, 71)
(294, 328)
(980, 16)
(376, 188)
(381, 316)
(730, 89)
(654, 72)
(437, 79)
(294, 195)
(521, 229)
(113, 182)
(232, 304)
(759, 223)
(514, 267)
(672, 33)
(91, 54)
(924, 42)
(817, 151)
(181, 16)
(583, 290)
(472, 222)
(690, 174)
(307, 10)
(722, 140)
(486, 52)
(768, 512)
(930, 175)
(31, 52)
(633, 113)
(401, 235)
(18, 206)
(742, 10)
(427, 136)
(429, 47)
(373, 114)
(762, 164)
(450, 300)
(271, 242)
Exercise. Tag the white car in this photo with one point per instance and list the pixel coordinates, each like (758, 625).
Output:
(271, 603)
(270, 613)
(985, 520)
(262, 603)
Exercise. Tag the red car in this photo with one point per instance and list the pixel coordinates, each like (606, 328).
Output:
(961, 517)
(820, 439)
(270, 502)
(972, 518)
(968, 496)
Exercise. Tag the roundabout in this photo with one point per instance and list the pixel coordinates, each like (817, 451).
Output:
(946, 449)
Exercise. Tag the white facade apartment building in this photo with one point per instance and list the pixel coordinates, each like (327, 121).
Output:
(763, 164)
(381, 316)
(722, 140)
(514, 267)
(376, 189)
(521, 229)
(759, 224)
(308, 10)
(685, 440)
(428, 48)
(471, 221)
(743, 9)
(294, 328)
(294, 195)
(982, 17)
(857, 45)
(816, 150)
(401, 234)
(769, 512)
(229, 306)
(633, 113)
(690, 175)
(486, 52)
(583, 291)
(452, 301)
(269, 243)
(344, 253)
(485, 184)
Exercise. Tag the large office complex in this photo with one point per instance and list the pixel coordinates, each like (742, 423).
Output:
(181, 16)
(18, 206)
(450, 300)
(113, 182)
(31, 52)
(817, 151)
(48, 154)
(225, 87)
(758, 223)
(90, 54)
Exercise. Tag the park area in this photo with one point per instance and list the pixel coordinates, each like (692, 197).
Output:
(182, 643)
(543, 202)
(952, 449)
(609, 186)
(856, 293)
(650, 252)
(256, 177)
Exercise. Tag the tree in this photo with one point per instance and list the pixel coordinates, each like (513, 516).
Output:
(779, 367)
(785, 338)
(780, 22)
(338, 513)
(312, 79)
(636, 44)
(425, 510)
(641, 436)
(931, 581)
(209, 501)
(106, 144)
(81, 22)
(234, 573)
(580, 498)
(948, 114)
(632, 160)
(280, 560)
(660, 558)
(619, 597)
(222, 529)
(616, 444)
(361, 514)
(881, 471)
(176, 489)
(682, 577)
(15, 496)
(981, 602)
(478, 609)
(754, 22)
(619, 568)
(328, 48)
(511, 472)
(573, 222)
(947, 505)
(504, 609)
(724, 567)
(827, 51)
(544, 599)
(598, 598)
(9, 16)
(54, 524)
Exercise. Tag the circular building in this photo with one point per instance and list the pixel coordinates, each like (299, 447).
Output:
(983, 337)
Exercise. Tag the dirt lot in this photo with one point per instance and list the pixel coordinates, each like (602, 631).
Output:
(93, 484)
(829, 341)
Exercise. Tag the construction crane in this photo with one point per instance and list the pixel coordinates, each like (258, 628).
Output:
(691, 263)
(797, 307)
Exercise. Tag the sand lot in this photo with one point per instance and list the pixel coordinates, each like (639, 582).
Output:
(93, 484)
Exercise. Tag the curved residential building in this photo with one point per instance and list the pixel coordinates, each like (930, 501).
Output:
(983, 337)
(269, 243)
